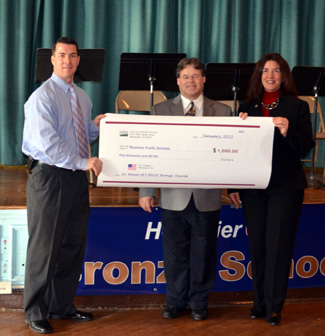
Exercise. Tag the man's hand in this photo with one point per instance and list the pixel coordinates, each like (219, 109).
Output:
(98, 119)
(146, 203)
(95, 164)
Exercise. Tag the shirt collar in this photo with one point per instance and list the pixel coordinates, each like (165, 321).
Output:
(198, 102)
(62, 84)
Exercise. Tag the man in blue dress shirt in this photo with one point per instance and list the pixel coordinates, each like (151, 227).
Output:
(57, 191)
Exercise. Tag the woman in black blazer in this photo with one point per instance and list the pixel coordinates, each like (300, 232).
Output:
(272, 214)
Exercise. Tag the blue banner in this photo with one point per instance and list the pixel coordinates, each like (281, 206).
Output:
(124, 252)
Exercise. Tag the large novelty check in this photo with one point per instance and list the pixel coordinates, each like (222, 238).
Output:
(185, 152)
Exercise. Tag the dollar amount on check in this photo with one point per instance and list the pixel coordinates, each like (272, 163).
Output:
(183, 152)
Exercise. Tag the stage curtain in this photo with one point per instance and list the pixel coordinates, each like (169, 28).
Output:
(216, 31)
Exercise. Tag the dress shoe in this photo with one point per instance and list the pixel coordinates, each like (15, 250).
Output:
(170, 312)
(41, 326)
(77, 316)
(257, 313)
(273, 319)
(199, 314)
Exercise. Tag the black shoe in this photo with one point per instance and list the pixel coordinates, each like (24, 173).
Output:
(170, 312)
(273, 319)
(41, 326)
(77, 316)
(257, 313)
(199, 314)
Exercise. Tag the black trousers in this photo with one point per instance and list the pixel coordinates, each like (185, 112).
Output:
(190, 255)
(272, 220)
(58, 213)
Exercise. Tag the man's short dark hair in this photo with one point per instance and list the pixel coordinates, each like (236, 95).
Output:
(64, 40)
(194, 62)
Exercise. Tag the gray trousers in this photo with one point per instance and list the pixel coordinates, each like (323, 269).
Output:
(190, 255)
(58, 213)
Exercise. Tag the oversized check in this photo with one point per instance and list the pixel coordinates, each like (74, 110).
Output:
(191, 152)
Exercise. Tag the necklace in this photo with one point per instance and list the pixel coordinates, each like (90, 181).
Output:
(271, 106)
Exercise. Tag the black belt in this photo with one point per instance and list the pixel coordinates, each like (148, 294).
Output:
(32, 163)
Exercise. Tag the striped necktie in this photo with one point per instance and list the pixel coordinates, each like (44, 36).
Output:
(78, 124)
(191, 112)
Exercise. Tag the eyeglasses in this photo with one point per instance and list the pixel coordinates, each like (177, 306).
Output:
(187, 77)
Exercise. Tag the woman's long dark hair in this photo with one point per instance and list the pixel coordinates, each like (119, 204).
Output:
(256, 89)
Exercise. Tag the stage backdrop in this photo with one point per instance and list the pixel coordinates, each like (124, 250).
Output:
(216, 31)
(124, 252)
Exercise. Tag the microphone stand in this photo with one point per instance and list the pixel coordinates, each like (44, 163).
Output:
(315, 183)
(151, 79)
(235, 89)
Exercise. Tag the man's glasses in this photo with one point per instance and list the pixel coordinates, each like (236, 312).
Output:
(187, 77)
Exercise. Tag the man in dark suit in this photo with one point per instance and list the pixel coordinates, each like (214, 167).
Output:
(189, 216)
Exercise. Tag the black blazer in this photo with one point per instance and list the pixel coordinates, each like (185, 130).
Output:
(287, 173)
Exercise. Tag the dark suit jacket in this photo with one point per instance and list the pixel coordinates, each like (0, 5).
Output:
(178, 199)
(287, 172)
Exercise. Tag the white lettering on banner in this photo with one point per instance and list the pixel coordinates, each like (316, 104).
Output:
(227, 231)
(116, 272)
(150, 229)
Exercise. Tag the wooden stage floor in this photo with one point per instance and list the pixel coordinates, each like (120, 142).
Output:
(298, 319)
(303, 313)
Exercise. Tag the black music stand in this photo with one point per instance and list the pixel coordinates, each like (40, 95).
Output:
(228, 81)
(310, 81)
(149, 71)
(90, 69)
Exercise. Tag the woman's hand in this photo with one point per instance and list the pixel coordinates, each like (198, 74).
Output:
(235, 199)
(282, 124)
(243, 115)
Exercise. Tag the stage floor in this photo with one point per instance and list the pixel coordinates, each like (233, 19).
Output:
(298, 318)
(13, 192)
